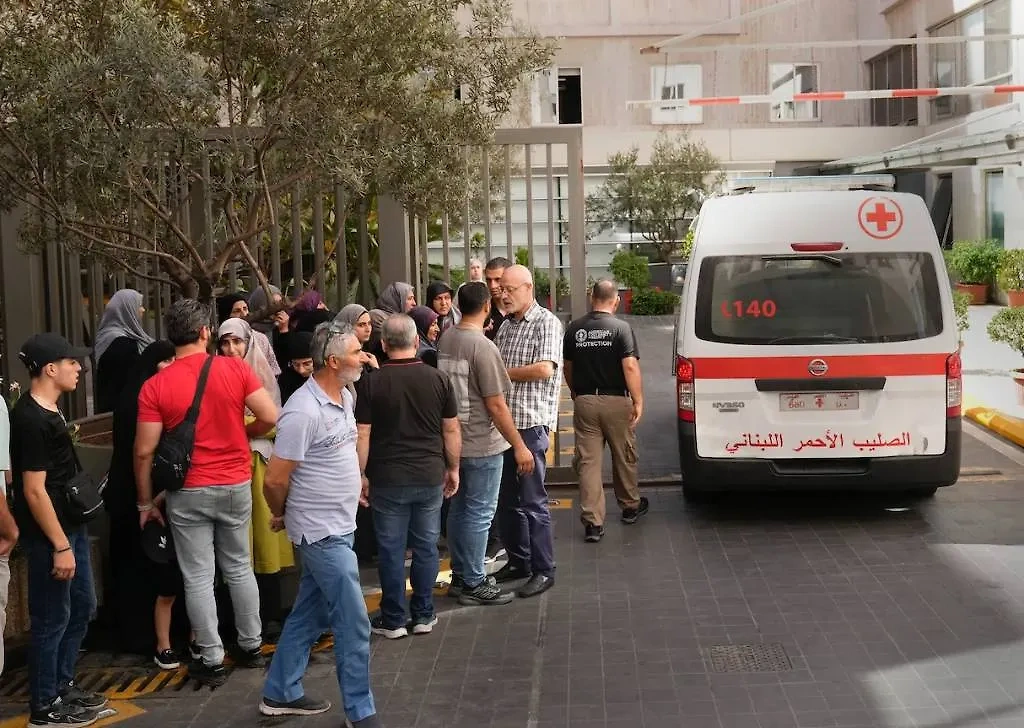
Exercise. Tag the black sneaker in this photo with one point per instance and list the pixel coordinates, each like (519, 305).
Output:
(59, 713)
(252, 659)
(166, 660)
(631, 515)
(302, 706)
(593, 533)
(456, 586)
(78, 698)
(485, 593)
(510, 572)
(424, 625)
(494, 551)
(210, 675)
(380, 627)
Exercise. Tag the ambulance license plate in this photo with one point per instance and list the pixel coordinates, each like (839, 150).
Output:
(822, 401)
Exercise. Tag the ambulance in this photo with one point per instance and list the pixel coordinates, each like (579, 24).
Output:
(816, 343)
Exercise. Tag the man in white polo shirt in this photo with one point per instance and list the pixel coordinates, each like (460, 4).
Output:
(313, 487)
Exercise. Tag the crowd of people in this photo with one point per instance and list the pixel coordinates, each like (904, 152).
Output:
(320, 439)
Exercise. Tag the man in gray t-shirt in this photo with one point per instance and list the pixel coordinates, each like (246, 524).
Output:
(480, 381)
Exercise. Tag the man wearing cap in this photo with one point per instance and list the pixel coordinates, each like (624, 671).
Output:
(61, 599)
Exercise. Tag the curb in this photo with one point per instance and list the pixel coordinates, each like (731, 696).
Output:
(1004, 425)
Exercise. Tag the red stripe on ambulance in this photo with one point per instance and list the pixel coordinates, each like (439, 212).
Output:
(796, 367)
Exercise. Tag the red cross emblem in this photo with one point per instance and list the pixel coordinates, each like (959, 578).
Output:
(880, 217)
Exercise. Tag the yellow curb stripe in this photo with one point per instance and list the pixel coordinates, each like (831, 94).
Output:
(1012, 428)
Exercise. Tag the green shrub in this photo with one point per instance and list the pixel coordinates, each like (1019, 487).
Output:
(1007, 327)
(654, 302)
(630, 270)
(686, 249)
(974, 262)
(961, 305)
(456, 277)
(1010, 275)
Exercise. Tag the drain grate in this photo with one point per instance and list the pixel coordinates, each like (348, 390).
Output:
(770, 657)
(122, 683)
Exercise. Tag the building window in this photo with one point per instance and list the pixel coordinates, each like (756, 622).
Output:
(972, 63)
(895, 68)
(786, 79)
(681, 81)
(994, 205)
(557, 97)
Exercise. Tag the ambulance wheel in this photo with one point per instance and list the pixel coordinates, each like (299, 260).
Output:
(922, 493)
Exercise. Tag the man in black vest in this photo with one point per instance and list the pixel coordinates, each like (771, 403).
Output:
(602, 370)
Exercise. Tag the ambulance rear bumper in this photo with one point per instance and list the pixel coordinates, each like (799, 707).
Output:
(879, 474)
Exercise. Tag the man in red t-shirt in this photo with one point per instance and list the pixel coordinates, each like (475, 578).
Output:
(210, 516)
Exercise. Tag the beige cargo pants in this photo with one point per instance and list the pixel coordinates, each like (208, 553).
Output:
(598, 419)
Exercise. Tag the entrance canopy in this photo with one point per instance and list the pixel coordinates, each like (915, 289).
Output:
(992, 148)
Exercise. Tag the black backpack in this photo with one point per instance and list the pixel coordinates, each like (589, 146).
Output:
(173, 456)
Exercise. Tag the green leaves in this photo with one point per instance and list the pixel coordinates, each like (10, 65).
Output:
(120, 116)
(656, 199)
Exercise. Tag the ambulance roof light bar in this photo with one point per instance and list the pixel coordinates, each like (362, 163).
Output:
(872, 182)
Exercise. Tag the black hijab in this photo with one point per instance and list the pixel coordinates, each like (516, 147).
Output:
(119, 494)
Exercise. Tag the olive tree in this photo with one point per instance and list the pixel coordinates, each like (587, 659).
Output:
(120, 119)
(656, 199)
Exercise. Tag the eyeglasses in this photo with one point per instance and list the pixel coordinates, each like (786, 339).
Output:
(510, 289)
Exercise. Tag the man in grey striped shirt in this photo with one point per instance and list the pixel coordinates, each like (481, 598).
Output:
(530, 342)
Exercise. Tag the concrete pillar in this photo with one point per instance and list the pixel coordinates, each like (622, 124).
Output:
(393, 238)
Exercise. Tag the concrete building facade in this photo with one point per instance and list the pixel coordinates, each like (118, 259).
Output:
(959, 152)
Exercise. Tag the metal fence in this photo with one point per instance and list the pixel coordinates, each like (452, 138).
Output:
(528, 199)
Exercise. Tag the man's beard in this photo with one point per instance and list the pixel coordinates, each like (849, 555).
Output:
(351, 376)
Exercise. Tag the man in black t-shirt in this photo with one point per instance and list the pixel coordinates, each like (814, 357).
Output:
(602, 370)
(410, 442)
(61, 596)
(492, 275)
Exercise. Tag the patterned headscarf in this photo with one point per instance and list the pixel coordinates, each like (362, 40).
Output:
(254, 355)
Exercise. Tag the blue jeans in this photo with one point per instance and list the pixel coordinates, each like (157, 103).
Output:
(523, 514)
(329, 598)
(406, 517)
(470, 515)
(60, 612)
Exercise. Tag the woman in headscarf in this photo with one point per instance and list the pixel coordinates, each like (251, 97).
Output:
(299, 365)
(426, 326)
(440, 298)
(271, 551)
(309, 302)
(398, 297)
(120, 339)
(258, 301)
(232, 305)
(142, 592)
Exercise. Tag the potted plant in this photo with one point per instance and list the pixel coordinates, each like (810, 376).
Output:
(961, 304)
(632, 273)
(1010, 276)
(974, 263)
(1007, 327)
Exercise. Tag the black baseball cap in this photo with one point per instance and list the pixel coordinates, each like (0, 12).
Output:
(46, 348)
(157, 543)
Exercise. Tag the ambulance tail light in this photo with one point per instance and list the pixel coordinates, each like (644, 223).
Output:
(954, 385)
(684, 388)
(816, 247)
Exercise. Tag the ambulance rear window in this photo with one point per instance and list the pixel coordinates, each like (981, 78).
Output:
(828, 298)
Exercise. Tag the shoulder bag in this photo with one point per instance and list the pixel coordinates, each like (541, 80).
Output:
(173, 456)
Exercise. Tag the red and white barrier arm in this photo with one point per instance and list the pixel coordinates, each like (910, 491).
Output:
(894, 93)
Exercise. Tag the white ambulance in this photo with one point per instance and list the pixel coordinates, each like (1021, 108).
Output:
(816, 344)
